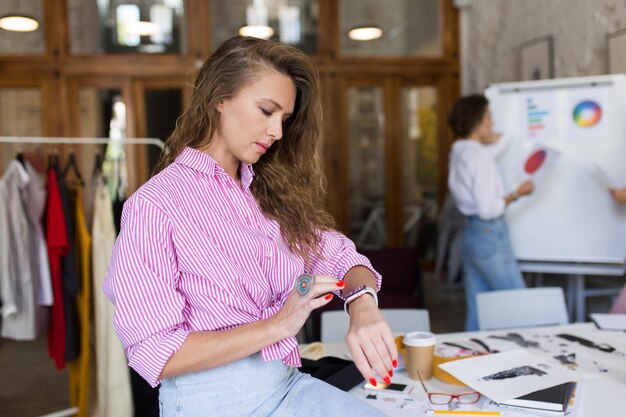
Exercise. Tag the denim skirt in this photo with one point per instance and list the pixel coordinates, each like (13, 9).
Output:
(252, 387)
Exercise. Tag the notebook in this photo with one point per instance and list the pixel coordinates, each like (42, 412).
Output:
(555, 398)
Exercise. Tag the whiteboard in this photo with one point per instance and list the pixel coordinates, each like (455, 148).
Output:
(570, 217)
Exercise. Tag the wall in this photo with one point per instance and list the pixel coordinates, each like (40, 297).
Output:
(491, 31)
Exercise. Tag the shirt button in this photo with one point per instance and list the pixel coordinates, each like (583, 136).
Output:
(268, 253)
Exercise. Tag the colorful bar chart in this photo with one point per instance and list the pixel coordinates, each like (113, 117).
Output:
(536, 117)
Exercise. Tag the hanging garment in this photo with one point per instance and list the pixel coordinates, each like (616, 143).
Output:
(18, 277)
(35, 200)
(58, 246)
(69, 273)
(80, 369)
(112, 378)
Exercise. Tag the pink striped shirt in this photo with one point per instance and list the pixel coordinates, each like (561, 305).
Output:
(195, 252)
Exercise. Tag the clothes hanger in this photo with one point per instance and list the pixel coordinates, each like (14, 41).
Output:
(19, 156)
(71, 164)
(97, 165)
(53, 157)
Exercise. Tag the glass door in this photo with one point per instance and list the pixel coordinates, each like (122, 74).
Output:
(391, 137)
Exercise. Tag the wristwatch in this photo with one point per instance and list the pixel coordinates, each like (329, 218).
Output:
(358, 292)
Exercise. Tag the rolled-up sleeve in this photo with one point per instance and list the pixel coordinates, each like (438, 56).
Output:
(141, 282)
(338, 255)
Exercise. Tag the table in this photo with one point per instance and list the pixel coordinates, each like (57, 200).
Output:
(576, 273)
(599, 397)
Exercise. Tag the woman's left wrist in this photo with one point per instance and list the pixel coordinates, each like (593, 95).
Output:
(365, 301)
(356, 296)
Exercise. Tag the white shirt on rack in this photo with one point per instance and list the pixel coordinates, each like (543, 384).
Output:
(474, 178)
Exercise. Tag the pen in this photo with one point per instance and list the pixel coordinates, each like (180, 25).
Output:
(467, 413)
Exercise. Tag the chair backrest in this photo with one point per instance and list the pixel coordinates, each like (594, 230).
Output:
(526, 307)
(401, 320)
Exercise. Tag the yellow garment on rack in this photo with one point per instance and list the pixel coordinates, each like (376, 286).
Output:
(80, 369)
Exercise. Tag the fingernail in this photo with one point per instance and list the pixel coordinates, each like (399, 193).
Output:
(391, 372)
(373, 381)
(328, 297)
(341, 284)
(395, 363)
(387, 380)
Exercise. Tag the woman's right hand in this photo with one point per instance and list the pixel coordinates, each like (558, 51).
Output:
(525, 188)
(619, 195)
(297, 308)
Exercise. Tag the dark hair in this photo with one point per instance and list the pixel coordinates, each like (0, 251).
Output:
(289, 184)
(467, 113)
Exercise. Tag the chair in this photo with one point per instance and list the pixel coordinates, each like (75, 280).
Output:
(401, 320)
(526, 307)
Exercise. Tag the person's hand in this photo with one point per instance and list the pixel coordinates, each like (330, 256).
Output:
(297, 308)
(370, 340)
(618, 194)
(525, 188)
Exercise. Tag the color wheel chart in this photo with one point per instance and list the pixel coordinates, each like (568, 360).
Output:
(536, 117)
(587, 113)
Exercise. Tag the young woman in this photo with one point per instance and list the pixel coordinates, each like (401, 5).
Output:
(476, 185)
(225, 252)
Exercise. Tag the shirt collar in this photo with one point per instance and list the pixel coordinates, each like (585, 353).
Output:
(204, 163)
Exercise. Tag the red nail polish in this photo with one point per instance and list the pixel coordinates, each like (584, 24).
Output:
(328, 297)
(341, 284)
(395, 363)
(373, 381)
(387, 380)
(391, 372)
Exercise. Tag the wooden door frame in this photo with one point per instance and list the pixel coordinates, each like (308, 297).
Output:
(391, 86)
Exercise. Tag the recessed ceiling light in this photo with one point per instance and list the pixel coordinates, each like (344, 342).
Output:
(365, 33)
(261, 32)
(144, 28)
(18, 23)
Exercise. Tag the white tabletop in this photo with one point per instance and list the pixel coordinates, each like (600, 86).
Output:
(599, 397)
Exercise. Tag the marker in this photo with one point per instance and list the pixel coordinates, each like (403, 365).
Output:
(465, 413)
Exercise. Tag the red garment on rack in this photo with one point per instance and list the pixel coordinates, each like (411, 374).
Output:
(58, 246)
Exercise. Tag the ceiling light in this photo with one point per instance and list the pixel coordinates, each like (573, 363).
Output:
(365, 33)
(261, 32)
(144, 28)
(257, 21)
(18, 23)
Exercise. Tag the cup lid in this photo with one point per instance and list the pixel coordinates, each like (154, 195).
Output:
(419, 339)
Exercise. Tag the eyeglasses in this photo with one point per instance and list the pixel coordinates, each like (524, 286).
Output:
(442, 398)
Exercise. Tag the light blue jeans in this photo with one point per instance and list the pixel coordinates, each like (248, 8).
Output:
(488, 262)
(251, 387)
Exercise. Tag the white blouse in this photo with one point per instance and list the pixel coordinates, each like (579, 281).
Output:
(474, 178)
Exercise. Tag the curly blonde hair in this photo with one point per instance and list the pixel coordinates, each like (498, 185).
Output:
(289, 184)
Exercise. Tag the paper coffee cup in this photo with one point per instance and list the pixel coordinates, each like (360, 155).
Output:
(420, 348)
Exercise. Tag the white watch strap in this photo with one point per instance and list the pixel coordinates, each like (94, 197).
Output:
(366, 290)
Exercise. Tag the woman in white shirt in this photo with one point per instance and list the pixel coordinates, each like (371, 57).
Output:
(476, 185)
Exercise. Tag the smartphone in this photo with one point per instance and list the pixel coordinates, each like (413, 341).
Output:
(388, 388)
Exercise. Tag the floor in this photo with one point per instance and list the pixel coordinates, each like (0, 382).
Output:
(31, 386)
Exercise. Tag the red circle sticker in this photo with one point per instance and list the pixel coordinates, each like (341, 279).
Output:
(534, 161)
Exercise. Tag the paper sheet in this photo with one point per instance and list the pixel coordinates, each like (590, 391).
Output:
(507, 375)
(604, 177)
(609, 321)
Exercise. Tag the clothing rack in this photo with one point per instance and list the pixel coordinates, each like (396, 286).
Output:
(80, 141)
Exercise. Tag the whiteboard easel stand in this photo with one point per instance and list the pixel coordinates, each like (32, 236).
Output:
(576, 273)
(79, 141)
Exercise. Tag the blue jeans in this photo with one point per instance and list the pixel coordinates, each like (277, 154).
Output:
(488, 262)
(251, 387)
